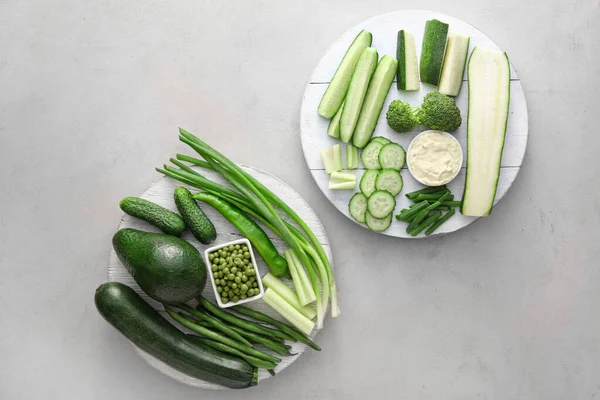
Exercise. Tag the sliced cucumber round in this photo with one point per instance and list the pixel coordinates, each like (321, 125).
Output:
(370, 155)
(367, 182)
(381, 139)
(390, 180)
(378, 224)
(358, 207)
(392, 155)
(381, 203)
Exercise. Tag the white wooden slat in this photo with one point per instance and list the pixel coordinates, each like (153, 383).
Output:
(161, 192)
(314, 127)
(385, 31)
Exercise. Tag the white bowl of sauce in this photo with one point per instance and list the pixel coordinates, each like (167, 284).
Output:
(434, 158)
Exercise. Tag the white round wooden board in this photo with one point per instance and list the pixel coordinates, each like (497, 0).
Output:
(313, 127)
(161, 192)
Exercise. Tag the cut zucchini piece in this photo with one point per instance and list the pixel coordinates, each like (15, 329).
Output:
(489, 98)
(342, 181)
(432, 51)
(370, 155)
(342, 185)
(371, 110)
(327, 158)
(358, 207)
(389, 180)
(380, 139)
(408, 70)
(381, 203)
(337, 89)
(351, 157)
(337, 158)
(333, 129)
(392, 155)
(378, 224)
(356, 92)
(455, 60)
(367, 182)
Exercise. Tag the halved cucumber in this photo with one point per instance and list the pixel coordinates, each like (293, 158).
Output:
(342, 181)
(392, 155)
(371, 110)
(381, 203)
(489, 98)
(408, 71)
(356, 92)
(351, 157)
(337, 158)
(432, 52)
(454, 64)
(378, 224)
(370, 155)
(358, 207)
(390, 180)
(381, 139)
(333, 129)
(336, 91)
(367, 182)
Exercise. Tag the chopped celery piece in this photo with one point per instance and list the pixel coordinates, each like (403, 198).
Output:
(342, 186)
(287, 311)
(342, 181)
(337, 158)
(272, 282)
(351, 157)
(327, 157)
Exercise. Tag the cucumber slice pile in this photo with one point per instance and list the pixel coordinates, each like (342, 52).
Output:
(389, 180)
(392, 155)
(381, 203)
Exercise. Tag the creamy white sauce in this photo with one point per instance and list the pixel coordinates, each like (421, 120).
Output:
(434, 158)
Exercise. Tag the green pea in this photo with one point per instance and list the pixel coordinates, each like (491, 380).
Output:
(236, 291)
(234, 285)
(214, 268)
(224, 300)
(226, 270)
(229, 283)
(239, 274)
(246, 262)
(234, 270)
(244, 278)
(246, 255)
(235, 298)
(237, 279)
(244, 287)
(242, 296)
(254, 284)
(231, 277)
(219, 289)
(250, 292)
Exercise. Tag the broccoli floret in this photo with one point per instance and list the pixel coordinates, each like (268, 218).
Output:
(401, 117)
(439, 112)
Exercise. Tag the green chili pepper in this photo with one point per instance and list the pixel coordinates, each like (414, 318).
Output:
(250, 229)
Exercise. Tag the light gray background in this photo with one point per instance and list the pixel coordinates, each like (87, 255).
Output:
(91, 94)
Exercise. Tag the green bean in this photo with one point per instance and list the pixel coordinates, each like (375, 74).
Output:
(439, 222)
(452, 203)
(420, 216)
(240, 322)
(254, 361)
(219, 338)
(427, 190)
(216, 324)
(430, 220)
(412, 211)
(442, 208)
(434, 196)
(296, 334)
(258, 339)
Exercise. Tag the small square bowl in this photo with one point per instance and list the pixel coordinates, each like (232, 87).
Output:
(210, 250)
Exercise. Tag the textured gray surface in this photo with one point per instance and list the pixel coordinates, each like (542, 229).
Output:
(91, 93)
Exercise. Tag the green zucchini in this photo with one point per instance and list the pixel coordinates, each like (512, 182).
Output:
(336, 91)
(124, 309)
(489, 98)
(356, 92)
(432, 51)
(455, 60)
(408, 70)
(376, 93)
(165, 220)
(201, 227)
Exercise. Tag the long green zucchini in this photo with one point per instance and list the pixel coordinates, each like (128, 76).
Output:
(489, 98)
(124, 309)
(406, 54)
(432, 51)
(455, 61)
(336, 91)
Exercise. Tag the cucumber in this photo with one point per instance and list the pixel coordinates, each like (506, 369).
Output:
(378, 224)
(408, 70)
(455, 60)
(389, 180)
(336, 91)
(392, 155)
(432, 51)
(370, 155)
(356, 92)
(367, 182)
(337, 158)
(351, 157)
(380, 139)
(381, 203)
(333, 129)
(165, 220)
(376, 93)
(489, 98)
(358, 207)
(332, 158)
(193, 216)
(342, 181)
(124, 309)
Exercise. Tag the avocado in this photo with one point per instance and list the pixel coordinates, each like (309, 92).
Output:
(166, 268)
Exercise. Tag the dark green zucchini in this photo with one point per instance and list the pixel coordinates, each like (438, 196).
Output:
(124, 309)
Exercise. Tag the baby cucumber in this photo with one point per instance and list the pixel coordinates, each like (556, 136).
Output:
(165, 220)
(193, 216)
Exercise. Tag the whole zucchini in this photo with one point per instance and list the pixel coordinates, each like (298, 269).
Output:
(124, 309)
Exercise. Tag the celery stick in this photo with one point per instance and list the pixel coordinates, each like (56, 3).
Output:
(327, 157)
(302, 274)
(298, 284)
(287, 311)
(288, 294)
